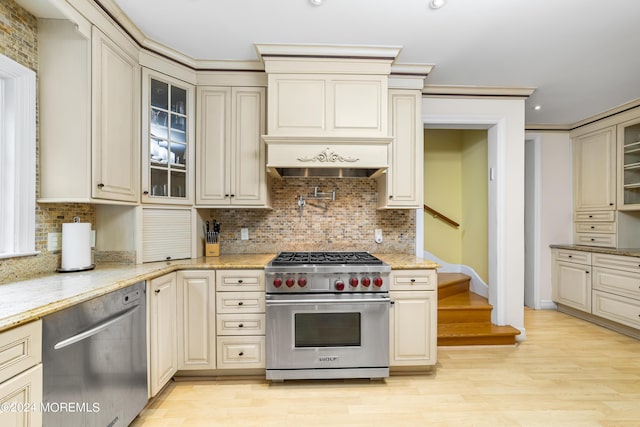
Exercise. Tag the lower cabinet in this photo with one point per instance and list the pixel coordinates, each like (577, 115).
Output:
(162, 331)
(604, 286)
(413, 318)
(21, 376)
(196, 319)
(240, 325)
(572, 279)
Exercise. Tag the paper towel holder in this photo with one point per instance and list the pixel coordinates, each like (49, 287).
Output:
(76, 219)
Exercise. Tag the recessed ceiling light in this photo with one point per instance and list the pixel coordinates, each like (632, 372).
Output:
(315, 2)
(437, 4)
(537, 107)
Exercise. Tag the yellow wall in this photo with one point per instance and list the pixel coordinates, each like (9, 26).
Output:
(455, 184)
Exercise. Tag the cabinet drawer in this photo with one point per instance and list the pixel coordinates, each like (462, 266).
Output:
(595, 239)
(568, 255)
(596, 227)
(619, 309)
(240, 280)
(414, 280)
(240, 302)
(595, 216)
(617, 282)
(241, 352)
(618, 262)
(20, 349)
(240, 324)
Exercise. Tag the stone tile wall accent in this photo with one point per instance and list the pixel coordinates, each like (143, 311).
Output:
(18, 41)
(347, 223)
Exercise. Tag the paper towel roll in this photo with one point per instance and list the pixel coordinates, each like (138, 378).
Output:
(76, 246)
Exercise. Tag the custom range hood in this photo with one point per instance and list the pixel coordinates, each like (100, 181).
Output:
(327, 109)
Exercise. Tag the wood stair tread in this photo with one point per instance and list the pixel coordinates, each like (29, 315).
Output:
(475, 329)
(452, 284)
(468, 300)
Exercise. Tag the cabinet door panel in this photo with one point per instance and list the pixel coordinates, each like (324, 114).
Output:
(23, 392)
(116, 123)
(163, 338)
(595, 170)
(213, 134)
(572, 285)
(248, 178)
(413, 328)
(196, 320)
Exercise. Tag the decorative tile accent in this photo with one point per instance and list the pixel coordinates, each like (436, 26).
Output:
(347, 223)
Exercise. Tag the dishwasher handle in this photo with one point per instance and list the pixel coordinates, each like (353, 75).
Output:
(95, 329)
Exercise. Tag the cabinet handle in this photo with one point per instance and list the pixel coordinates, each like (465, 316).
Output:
(590, 216)
(239, 280)
(100, 185)
(145, 192)
(241, 353)
(587, 272)
(233, 195)
(570, 256)
(240, 325)
(168, 258)
(240, 303)
(226, 195)
(593, 240)
(157, 291)
(390, 196)
(392, 302)
(413, 280)
(592, 227)
(610, 204)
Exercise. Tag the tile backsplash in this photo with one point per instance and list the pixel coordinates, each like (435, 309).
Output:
(348, 223)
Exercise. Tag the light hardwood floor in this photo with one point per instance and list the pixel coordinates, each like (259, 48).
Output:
(568, 373)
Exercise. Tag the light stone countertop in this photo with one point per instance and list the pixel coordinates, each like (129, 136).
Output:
(28, 300)
(407, 262)
(600, 250)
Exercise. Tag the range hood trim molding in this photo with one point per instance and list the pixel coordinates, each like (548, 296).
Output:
(329, 156)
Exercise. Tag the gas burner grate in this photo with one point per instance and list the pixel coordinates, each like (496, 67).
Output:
(325, 258)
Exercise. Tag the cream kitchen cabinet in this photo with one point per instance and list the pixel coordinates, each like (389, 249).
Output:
(413, 318)
(168, 135)
(21, 376)
(616, 288)
(327, 105)
(628, 134)
(231, 169)
(89, 92)
(196, 319)
(162, 331)
(594, 168)
(240, 302)
(401, 185)
(571, 280)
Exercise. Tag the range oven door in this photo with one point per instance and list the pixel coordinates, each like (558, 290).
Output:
(327, 336)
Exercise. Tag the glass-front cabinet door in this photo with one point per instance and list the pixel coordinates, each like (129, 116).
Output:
(167, 140)
(629, 165)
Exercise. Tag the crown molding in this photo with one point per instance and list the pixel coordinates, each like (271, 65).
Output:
(477, 91)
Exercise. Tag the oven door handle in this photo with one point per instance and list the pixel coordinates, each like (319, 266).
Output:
(384, 300)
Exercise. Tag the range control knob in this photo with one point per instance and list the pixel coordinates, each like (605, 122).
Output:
(366, 282)
(302, 282)
(277, 282)
(290, 282)
(353, 281)
(377, 281)
(339, 285)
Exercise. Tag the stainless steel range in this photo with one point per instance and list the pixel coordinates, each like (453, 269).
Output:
(327, 316)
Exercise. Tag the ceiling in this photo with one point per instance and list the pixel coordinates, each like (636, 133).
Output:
(581, 56)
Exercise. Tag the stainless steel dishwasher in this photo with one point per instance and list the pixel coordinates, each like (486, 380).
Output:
(95, 361)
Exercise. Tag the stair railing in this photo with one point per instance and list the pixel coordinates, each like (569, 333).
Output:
(441, 217)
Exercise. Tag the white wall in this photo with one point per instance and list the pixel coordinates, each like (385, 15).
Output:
(504, 118)
(556, 204)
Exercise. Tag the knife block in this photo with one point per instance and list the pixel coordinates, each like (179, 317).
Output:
(212, 249)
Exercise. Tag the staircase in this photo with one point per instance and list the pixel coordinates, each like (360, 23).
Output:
(464, 318)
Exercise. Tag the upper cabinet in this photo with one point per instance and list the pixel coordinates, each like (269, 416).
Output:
(401, 186)
(167, 132)
(327, 105)
(231, 155)
(327, 91)
(629, 165)
(89, 94)
(115, 84)
(594, 168)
